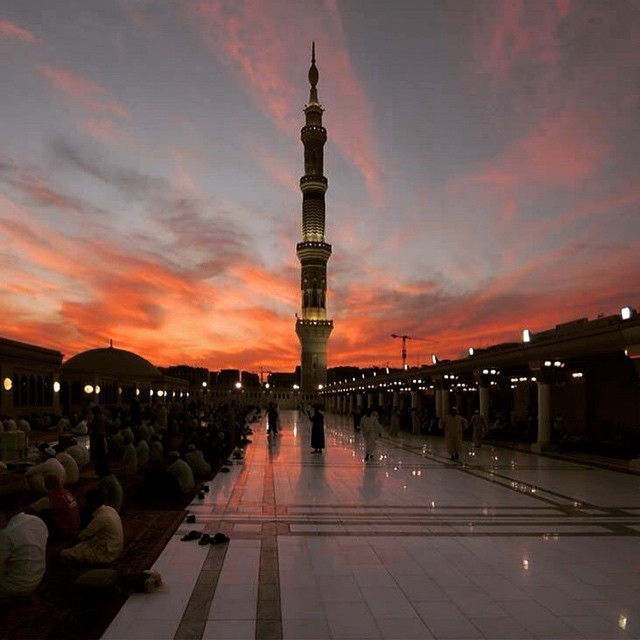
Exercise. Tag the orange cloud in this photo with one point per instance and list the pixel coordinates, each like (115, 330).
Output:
(91, 95)
(11, 30)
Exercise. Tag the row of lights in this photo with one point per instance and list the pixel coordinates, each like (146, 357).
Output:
(7, 385)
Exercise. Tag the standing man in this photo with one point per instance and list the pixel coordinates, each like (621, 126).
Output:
(317, 429)
(478, 427)
(453, 424)
(272, 418)
(370, 430)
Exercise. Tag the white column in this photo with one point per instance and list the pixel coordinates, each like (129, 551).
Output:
(415, 418)
(444, 402)
(484, 402)
(544, 413)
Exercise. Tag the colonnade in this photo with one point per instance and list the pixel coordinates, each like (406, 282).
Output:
(347, 401)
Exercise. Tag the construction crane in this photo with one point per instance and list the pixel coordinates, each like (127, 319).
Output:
(404, 346)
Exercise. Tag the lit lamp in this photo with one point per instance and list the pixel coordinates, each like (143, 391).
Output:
(7, 383)
(434, 358)
(204, 384)
(526, 335)
(88, 388)
(56, 386)
(296, 387)
(471, 351)
(238, 385)
(626, 313)
(321, 387)
(97, 388)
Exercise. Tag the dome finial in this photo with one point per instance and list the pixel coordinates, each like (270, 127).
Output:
(313, 52)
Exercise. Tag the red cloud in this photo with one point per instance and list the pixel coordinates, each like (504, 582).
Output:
(104, 130)
(12, 30)
(520, 32)
(561, 152)
(91, 95)
(259, 39)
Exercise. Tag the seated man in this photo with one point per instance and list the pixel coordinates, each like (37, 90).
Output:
(59, 509)
(23, 544)
(79, 453)
(110, 486)
(129, 461)
(70, 466)
(156, 452)
(181, 471)
(103, 540)
(194, 458)
(35, 475)
(142, 453)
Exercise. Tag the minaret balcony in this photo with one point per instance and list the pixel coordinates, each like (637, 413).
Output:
(313, 132)
(319, 183)
(306, 250)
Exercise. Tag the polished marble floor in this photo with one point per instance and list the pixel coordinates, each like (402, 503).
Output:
(502, 544)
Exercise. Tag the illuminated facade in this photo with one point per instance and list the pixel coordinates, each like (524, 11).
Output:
(312, 326)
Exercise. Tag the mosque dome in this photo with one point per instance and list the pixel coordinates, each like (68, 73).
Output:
(110, 361)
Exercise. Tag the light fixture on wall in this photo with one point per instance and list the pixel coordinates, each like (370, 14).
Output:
(7, 384)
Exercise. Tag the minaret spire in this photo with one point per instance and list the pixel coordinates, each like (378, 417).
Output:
(312, 326)
(313, 77)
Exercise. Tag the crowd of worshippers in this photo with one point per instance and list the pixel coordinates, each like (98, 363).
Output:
(161, 452)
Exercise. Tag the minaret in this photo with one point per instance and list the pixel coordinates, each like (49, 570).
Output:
(312, 326)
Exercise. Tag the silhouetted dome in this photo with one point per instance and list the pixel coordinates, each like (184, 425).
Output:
(112, 362)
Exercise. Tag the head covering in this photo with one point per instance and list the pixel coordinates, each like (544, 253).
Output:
(191, 447)
(50, 451)
(454, 409)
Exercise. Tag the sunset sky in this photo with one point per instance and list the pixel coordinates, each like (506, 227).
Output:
(483, 163)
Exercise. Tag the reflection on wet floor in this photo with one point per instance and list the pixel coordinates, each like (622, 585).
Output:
(500, 544)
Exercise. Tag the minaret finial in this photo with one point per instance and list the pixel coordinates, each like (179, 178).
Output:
(313, 76)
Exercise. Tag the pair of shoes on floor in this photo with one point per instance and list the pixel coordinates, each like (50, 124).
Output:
(218, 538)
(192, 535)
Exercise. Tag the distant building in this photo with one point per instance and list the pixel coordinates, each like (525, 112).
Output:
(110, 376)
(31, 378)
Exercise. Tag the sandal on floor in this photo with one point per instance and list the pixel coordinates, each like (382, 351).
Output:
(219, 538)
(192, 535)
(205, 539)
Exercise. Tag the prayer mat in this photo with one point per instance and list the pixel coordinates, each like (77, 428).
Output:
(59, 610)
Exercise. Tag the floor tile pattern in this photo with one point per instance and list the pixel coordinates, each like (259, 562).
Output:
(505, 544)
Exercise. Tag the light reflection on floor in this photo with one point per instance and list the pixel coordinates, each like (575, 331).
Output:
(500, 545)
